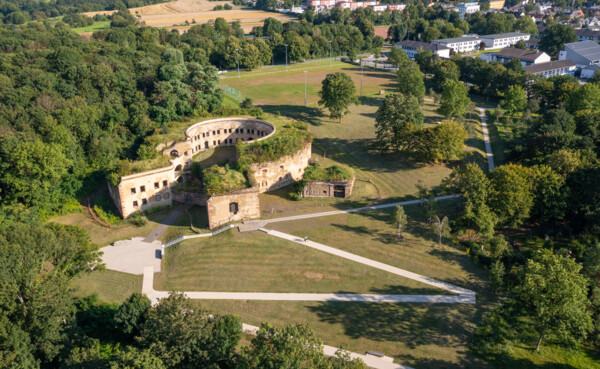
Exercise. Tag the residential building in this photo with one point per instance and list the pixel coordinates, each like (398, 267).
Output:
(589, 71)
(411, 48)
(553, 68)
(467, 8)
(504, 39)
(532, 43)
(587, 34)
(317, 4)
(356, 4)
(383, 7)
(582, 53)
(460, 44)
(527, 57)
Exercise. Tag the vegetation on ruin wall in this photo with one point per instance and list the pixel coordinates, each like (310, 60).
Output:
(315, 172)
(127, 167)
(218, 180)
(287, 140)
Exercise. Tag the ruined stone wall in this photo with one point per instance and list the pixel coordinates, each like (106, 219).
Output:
(142, 191)
(221, 209)
(272, 175)
(340, 189)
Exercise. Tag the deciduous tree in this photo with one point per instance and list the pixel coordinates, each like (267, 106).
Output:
(556, 294)
(454, 100)
(337, 94)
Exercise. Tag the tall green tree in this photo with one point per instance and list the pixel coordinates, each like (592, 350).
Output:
(515, 100)
(410, 78)
(555, 293)
(293, 346)
(454, 100)
(475, 190)
(512, 194)
(337, 94)
(398, 117)
(37, 265)
(555, 36)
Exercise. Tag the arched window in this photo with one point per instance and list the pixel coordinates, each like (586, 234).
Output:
(178, 168)
(174, 153)
(234, 207)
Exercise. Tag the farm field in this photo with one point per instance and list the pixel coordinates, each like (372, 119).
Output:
(256, 262)
(176, 13)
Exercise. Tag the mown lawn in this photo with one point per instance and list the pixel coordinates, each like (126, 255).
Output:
(256, 262)
(418, 335)
(110, 286)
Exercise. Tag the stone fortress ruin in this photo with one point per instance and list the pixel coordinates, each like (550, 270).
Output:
(164, 186)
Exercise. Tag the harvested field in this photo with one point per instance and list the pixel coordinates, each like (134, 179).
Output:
(176, 13)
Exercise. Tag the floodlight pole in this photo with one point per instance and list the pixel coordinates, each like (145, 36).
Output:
(330, 53)
(304, 88)
(238, 61)
(286, 69)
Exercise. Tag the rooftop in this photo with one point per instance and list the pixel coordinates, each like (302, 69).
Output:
(587, 33)
(542, 67)
(457, 39)
(588, 49)
(521, 54)
(505, 35)
(421, 45)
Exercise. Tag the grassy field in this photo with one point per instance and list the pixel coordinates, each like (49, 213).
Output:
(110, 286)
(419, 335)
(256, 262)
(103, 236)
(94, 27)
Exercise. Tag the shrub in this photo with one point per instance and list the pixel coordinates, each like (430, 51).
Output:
(138, 219)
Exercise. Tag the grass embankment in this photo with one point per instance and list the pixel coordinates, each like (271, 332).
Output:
(256, 262)
(110, 286)
(418, 335)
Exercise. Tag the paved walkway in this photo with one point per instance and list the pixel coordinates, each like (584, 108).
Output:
(465, 295)
(371, 361)
(132, 256)
(169, 220)
(365, 208)
(486, 138)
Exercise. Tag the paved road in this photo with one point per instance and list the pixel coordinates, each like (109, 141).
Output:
(486, 139)
(365, 208)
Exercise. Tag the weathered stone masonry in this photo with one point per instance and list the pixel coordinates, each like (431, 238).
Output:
(142, 191)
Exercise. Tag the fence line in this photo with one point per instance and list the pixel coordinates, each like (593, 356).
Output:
(233, 92)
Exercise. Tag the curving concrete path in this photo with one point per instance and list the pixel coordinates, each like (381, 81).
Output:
(364, 208)
(486, 138)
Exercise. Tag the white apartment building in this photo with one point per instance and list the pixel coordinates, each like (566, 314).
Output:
(553, 68)
(499, 40)
(412, 48)
(467, 8)
(460, 44)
